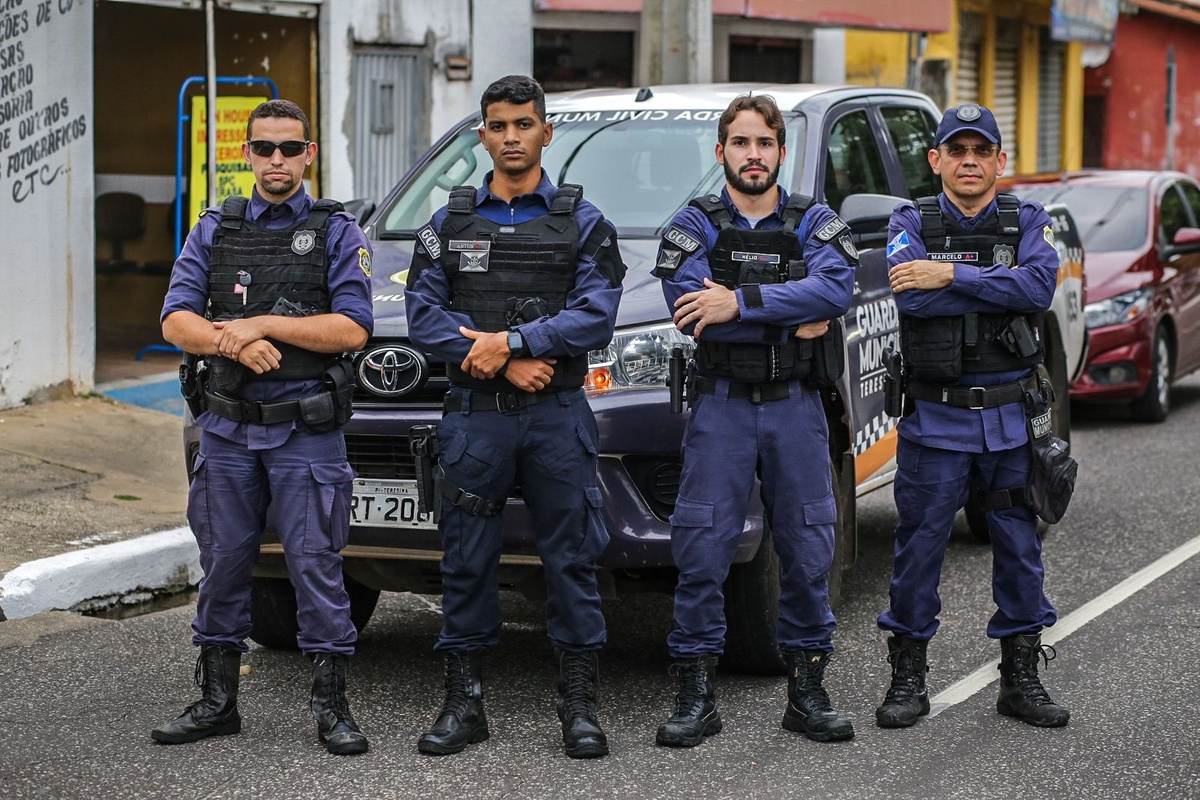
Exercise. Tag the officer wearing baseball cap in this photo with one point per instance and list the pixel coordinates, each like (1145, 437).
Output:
(972, 272)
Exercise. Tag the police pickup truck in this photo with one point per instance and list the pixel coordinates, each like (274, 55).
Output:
(641, 155)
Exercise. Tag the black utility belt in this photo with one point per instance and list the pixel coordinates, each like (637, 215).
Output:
(255, 413)
(754, 392)
(973, 397)
(497, 401)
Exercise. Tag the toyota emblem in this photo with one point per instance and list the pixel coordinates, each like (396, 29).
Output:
(392, 370)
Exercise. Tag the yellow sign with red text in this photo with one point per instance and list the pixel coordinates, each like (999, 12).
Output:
(233, 174)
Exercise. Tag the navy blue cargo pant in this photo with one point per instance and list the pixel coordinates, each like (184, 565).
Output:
(728, 440)
(931, 485)
(551, 447)
(303, 489)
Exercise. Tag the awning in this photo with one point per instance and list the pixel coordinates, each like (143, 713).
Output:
(928, 15)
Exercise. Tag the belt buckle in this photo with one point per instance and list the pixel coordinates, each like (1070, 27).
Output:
(506, 402)
(981, 392)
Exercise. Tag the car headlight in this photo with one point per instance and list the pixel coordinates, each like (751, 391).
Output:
(1117, 310)
(636, 357)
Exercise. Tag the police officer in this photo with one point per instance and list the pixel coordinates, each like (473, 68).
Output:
(512, 284)
(756, 276)
(972, 272)
(270, 292)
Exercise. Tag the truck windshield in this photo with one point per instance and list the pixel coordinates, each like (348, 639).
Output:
(638, 167)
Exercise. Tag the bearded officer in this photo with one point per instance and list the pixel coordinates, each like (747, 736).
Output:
(756, 276)
(972, 272)
(512, 284)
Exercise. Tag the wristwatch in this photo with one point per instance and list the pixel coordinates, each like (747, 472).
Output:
(516, 343)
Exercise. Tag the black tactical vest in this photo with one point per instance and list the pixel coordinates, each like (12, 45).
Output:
(940, 349)
(742, 256)
(268, 265)
(505, 275)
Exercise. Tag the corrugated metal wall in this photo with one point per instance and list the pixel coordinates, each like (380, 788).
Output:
(1004, 106)
(966, 76)
(389, 106)
(1050, 78)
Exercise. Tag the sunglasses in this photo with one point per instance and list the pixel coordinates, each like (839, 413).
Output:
(266, 149)
(958, 150)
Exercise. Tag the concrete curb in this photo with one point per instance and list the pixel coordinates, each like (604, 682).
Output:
(130, 571)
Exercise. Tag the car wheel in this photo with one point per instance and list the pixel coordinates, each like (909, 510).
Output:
(1155, 404)
(752, 594)
(273, 611)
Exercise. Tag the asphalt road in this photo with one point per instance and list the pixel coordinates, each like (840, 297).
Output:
(79, 696)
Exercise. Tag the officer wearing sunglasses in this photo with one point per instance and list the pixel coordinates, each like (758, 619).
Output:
(972, 272)
(270, 292)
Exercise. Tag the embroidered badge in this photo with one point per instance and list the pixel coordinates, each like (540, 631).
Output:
(830, 229)
(1048, 235)
(1004, 254)
(848, 245)
(682, 240)
(759, 258)
(473, 255)
(429, 238)
(364, 261)
(668, 260)
(303, 242)
(898, 243)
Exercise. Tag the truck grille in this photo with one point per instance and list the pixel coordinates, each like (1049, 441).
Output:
(381, 457)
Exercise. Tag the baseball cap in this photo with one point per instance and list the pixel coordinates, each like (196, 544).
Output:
(967, 117)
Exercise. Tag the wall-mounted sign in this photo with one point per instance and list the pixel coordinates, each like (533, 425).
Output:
(234, 176)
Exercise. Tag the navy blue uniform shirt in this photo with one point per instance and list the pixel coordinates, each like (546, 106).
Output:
(824, 294)
(1028, 287)
(349, 294)
(585, 323)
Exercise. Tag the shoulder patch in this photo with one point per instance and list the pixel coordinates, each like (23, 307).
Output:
(364, 261)
(1048, 235)
(429, 238)
(682, 240)
(830, 229)
(848, 246)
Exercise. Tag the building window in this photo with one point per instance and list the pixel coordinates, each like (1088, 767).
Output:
(762, 60)
(565, 60)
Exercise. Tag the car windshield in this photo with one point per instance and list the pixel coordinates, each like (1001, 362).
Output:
(638, 167)
(1109, 218)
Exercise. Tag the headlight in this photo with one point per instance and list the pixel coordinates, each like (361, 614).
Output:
(1117, 310)
(636, 357)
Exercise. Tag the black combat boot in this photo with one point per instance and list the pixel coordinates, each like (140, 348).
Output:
(809, 711)
(336, 728)
(462, 721)
(696, 714)
(907, 698)
(1021, 691)
(217, 673)
(578, 688)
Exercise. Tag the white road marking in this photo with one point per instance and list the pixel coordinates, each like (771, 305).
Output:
(967, 687)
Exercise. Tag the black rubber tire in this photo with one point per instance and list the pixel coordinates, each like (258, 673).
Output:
(273, 611)
(752, 594)
(1155, 404)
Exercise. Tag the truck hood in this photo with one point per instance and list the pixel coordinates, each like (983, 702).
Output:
(641, 303)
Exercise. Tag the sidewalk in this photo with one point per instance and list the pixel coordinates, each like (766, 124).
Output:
(93, 495)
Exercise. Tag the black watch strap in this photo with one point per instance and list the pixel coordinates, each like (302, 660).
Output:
(516, 343)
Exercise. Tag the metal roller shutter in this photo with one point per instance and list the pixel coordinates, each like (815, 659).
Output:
(1008, 46)
(1050, 76)
(966, 76)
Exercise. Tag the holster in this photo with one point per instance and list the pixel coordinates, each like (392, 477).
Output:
(424, 448)
(893, 382)
(192, 374)
(1052, 470)
(332, 407)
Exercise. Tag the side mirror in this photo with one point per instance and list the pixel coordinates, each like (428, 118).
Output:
(361, 208)
(1186, 236)
(868, 215)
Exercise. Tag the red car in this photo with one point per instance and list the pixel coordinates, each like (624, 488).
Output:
(1141, 242)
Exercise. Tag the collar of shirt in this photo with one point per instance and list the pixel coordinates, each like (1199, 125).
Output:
(961, 219)
(522, 208)
(295, 207)
(769, 222)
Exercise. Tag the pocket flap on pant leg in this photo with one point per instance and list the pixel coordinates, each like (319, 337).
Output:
(692, 514)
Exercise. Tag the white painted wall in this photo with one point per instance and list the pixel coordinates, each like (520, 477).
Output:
(497, 35)
(47, 274)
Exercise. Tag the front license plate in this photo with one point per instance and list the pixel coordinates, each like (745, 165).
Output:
(387, 504)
